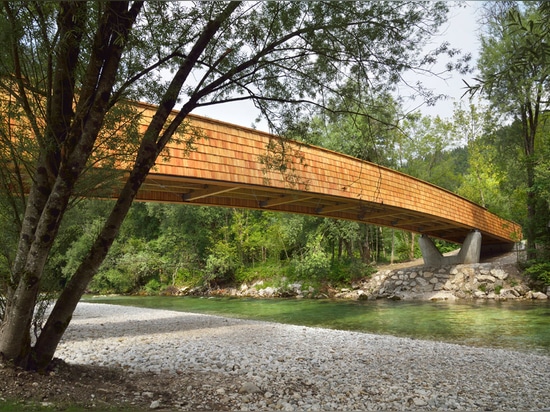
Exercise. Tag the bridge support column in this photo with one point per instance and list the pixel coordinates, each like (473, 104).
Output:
(470, 251)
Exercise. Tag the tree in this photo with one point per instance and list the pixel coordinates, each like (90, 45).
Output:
(69, 67)
(482, 181)
(430, 150)
(514, 74)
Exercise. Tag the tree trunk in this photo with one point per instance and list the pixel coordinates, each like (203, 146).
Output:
(392, 246)
(61, 315)
(529, 120)
(365, 248)
(48, 200)
(152, 144)
(530, 229)
(15, 329)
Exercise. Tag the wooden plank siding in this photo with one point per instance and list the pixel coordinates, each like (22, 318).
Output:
(226, 170)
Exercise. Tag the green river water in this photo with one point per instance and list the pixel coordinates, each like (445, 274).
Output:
(523, 326)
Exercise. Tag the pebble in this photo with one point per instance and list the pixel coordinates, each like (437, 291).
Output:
(296, 368)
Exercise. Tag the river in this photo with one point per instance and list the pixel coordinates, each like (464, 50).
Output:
(523, 326)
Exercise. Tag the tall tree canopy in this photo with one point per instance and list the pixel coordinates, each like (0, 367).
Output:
(68, 69)
(514, 74)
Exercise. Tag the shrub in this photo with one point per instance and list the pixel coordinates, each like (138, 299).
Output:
(260, 271)
(314, 264)
(539, 272)
(187, 276)
(221, 265)
(112, 281)
(152, 287)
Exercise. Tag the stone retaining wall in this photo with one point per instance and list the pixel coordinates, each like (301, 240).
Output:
(480, 281)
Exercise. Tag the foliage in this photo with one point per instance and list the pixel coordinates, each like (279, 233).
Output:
(539, 272)
(221, 264)
(267, 271)
(243, 247)
(110, 281)
(314, 262)
(426, 151)
(514, 75)
(403, 249)
(483, 180)
(152, 287)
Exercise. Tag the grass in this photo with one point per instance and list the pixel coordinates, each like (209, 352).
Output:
(31, 406)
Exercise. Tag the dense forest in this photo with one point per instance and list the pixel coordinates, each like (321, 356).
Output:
(326, 73)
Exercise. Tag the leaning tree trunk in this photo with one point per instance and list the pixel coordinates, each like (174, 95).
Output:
(22, 290)
(153, 143)
(15, 329)
(61, 315)
(43, 218)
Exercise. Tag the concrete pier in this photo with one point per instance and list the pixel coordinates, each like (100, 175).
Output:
(470, 251)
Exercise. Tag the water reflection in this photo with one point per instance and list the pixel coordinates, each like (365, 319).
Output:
(515, 325)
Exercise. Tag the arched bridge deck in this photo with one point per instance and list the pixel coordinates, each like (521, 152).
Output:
(227, 170)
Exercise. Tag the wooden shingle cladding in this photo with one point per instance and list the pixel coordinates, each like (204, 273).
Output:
(226, 170)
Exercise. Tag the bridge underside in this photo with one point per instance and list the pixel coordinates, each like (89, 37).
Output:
(175, 189)
(240, 167)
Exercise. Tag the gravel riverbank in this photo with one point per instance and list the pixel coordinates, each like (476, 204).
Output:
(251, 365)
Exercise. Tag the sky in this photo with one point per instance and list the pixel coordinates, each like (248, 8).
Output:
(461, 30)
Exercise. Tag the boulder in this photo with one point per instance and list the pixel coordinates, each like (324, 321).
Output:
(249, 388)
(485, 278)
(480, 294)
(499, 274)
(539, 296)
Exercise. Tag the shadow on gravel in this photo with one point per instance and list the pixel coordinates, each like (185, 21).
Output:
(89, 322)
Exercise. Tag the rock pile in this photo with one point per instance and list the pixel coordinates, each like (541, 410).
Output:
(479, 281)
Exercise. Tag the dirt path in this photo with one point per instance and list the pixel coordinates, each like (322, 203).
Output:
(502, 259)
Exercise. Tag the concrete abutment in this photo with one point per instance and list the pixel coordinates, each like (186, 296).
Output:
(469, 253)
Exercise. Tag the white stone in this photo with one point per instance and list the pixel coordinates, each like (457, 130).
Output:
(499, 274)
(419, 402)
(459, 278)
(325, 366)
(421, 281)
(486, 278)
(249, 387)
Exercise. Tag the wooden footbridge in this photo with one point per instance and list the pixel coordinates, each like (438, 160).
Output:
(241, 167)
